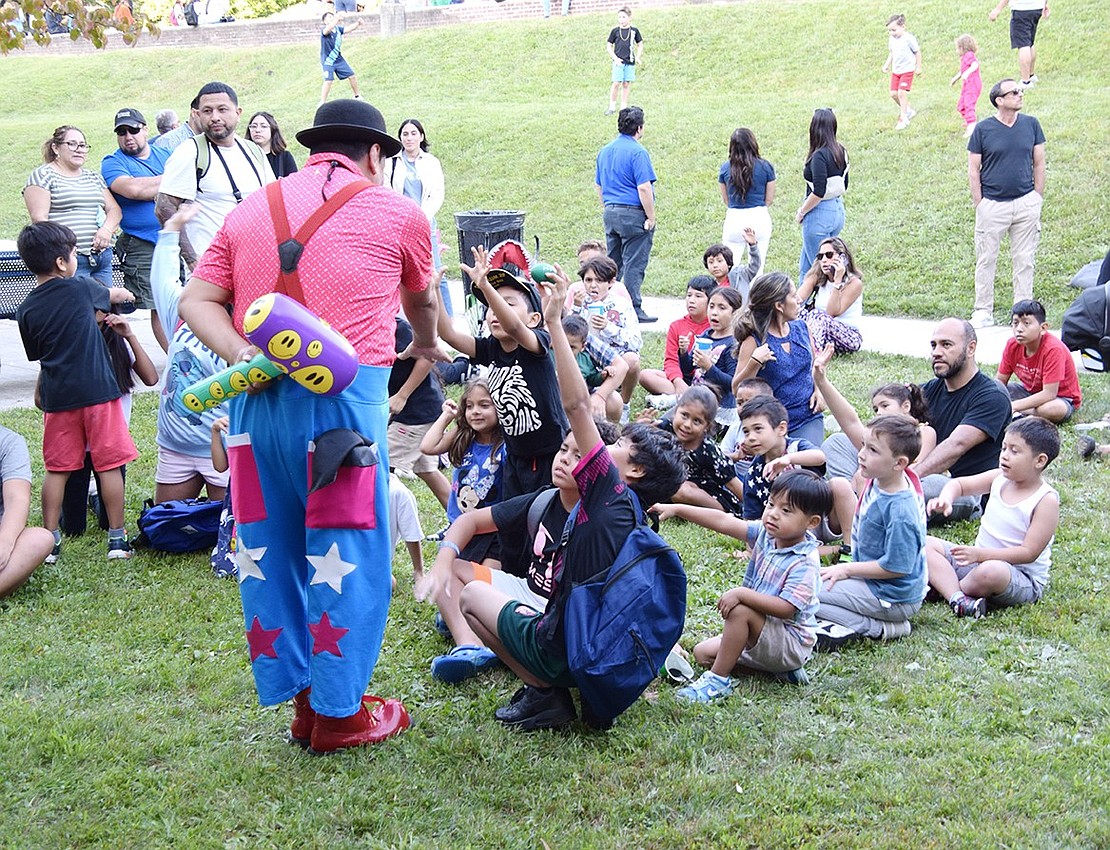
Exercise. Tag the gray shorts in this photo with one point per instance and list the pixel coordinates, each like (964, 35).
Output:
(1020, 590)
(776, 650)
(1018, 392)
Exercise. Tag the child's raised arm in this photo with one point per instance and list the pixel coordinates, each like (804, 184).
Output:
(219, 450)
(573, 391)
(510, 320)
(845, 415)
(141, 363)
(712, 518)
(436, 440)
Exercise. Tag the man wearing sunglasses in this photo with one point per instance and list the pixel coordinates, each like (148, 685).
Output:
(133, 174)
(1005, 172)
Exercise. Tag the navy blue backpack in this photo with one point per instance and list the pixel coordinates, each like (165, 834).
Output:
(621, 623)
(180, 525)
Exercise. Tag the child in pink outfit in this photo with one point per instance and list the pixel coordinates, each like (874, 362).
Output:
(972, 81)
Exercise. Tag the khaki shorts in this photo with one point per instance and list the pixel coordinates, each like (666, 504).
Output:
(776, 650)
(404, 448)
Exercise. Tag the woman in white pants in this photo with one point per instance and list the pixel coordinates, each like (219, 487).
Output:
(747, 184)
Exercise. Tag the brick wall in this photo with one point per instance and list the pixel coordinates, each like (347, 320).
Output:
(296, 31)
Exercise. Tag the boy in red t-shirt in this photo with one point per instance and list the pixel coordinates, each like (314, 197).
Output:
(667, 384)
(1048, 384)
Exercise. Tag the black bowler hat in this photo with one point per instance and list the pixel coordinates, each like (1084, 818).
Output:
(349, 121)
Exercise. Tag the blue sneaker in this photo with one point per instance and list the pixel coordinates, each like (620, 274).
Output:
(794, 677)
(441, 626)
(707, 688)
(462, 663)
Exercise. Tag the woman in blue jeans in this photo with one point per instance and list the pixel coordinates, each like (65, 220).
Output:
(64, 191)
(821, 214)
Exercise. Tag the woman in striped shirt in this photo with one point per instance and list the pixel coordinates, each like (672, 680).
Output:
(63, 191)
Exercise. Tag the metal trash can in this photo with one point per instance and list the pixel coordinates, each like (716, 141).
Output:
(486, 227)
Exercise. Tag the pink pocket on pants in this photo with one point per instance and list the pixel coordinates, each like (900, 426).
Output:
(246, 489)
(348, 502)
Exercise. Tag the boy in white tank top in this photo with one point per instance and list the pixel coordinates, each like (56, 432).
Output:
(1008, 565)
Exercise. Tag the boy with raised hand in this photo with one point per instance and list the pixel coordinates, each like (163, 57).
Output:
(79, 394)
(1047, 385)
(1009, 563)
(876, 593)
(644, 463)
(521, 374)
(529, 536)
(665, 385)
(769, 620)
(718, 260)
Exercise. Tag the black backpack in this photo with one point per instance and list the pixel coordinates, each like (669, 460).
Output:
(191, 16)
(1086, 327)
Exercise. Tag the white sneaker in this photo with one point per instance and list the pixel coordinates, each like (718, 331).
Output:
(663, 401)
(968, 131)
(893, 631)
(981, 319)
(910, 113)
(1034, 80)
(902, 124)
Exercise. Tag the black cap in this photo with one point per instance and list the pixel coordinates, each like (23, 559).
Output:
(129, 118)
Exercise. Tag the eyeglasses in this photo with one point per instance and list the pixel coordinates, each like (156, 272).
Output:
(76, 146)
(825, 255)
(128, 131)
(1012, 91)
(258, 126)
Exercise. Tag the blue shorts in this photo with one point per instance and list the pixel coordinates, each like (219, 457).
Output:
(623, 73)
(340, 69)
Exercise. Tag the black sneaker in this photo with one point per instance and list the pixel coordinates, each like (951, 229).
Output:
(52, 558)
(548, 709)
(507, 712)
(119, 549)
(832, 636)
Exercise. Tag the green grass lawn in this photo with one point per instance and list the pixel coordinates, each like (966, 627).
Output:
(128, 717)
(515, 113)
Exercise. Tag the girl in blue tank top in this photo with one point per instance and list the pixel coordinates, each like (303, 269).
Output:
(775, 345)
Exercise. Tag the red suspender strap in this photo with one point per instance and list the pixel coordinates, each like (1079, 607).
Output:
(290, 248)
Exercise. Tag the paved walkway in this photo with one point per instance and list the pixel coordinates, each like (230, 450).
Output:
(889, 336)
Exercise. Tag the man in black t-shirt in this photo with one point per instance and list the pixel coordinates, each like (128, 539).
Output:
(968, 409)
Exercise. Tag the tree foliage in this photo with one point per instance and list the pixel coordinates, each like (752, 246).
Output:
(21, 20)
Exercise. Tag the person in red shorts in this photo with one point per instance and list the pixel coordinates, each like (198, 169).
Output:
(77, 389)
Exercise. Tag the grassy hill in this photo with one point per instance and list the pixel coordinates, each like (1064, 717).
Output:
(515, 113)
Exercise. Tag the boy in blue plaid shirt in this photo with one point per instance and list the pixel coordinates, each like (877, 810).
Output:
(770, 621)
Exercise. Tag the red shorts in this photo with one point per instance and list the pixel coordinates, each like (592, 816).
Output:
(100, 429)
(901, 82)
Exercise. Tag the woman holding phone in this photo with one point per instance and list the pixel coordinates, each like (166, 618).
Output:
(832, 295)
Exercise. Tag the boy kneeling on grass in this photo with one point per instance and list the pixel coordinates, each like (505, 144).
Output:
(644, 463)
(770, 621)
(1008, 565)
(1047, 385)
